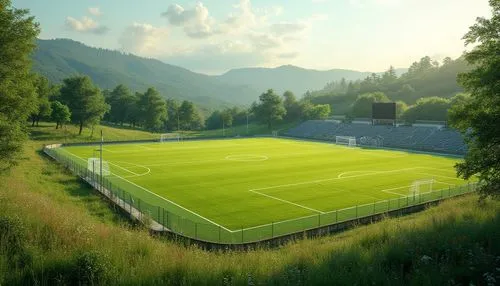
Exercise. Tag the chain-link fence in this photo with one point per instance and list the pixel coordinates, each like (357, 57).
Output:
(161, 214)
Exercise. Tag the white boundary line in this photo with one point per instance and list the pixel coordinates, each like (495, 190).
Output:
(127, 170)
(332, 179)
(434, 175)
(394, 193)
(161, 197)
(285, 201)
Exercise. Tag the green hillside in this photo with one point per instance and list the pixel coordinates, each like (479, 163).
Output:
(61, 58)
(295, 79)
(423, 79)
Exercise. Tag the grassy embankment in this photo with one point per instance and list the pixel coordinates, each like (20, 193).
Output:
(55, 230)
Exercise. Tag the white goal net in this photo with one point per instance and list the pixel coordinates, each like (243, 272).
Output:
(170, 137)
(421, 187)
(346, 140)
(94, 166)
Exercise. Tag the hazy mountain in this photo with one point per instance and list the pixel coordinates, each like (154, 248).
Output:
(61, 58)
(296, 79)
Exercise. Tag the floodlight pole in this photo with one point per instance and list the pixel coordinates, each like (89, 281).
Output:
(102, 140)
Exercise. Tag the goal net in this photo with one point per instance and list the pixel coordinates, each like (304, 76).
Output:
(346, 140)
(94, 166)
(421, 187)
(170, 137)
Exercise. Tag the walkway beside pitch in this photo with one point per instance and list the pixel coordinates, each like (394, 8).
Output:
(135, 213)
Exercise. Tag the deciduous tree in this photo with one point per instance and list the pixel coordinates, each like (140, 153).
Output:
(84, 100)
(18, 32)
(269, 109)
(60, 114)
(479, 117)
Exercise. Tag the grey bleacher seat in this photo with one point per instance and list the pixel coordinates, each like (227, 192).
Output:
(406, 137)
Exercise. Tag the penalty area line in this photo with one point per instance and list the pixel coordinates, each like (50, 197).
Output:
(285, 201)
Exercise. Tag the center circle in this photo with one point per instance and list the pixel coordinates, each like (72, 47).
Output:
(247, 158)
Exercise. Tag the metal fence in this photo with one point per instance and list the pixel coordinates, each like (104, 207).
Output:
(161, 214)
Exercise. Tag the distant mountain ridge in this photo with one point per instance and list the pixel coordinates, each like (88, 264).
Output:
(60, 58)
(289, 77)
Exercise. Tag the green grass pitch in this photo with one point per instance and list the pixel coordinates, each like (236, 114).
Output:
(244, 183)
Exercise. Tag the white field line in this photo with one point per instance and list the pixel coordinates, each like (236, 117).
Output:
(394, 193)
(275, 223)
(145, 148)
(182, 163)
(140, 166)
(124, 169)
(332, 179)
(285, 201)
(107, 150)
(162, 198)
(329, 212)
(365, 172)
(434, 175)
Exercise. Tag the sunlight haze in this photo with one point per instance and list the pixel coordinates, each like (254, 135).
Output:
(215, 36)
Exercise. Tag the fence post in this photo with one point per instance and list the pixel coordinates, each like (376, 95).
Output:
(407, 203)
(219, 233)
(356, 211)
(242, 234)
(336, 216)
(399, 203)
(163, 218)
(319, 219)
(373, 207)
(272, 229)
(388, 204)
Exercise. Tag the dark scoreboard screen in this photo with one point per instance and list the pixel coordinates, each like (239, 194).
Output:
(384, 110)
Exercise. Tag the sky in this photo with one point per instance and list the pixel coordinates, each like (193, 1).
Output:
(213, 36)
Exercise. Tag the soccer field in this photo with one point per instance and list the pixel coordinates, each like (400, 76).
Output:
(245, 183)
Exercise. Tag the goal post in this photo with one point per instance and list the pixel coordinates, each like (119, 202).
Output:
(94, 166)
(170, 137)
(346, 140)
(421, 187)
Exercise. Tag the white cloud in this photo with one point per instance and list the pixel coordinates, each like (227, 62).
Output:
(143, 39)
(246, 33)
(285, 28)
(85, 25)
(95, 11)
(197, 22)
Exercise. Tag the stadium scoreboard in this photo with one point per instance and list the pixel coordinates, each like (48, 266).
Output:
(384, 113)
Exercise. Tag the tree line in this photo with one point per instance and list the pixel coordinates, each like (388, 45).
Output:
(78, 101)
(427, 108)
